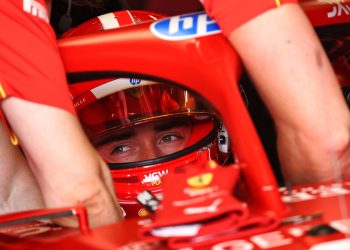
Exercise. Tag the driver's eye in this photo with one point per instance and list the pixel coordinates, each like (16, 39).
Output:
(120, 149)
(170, 138)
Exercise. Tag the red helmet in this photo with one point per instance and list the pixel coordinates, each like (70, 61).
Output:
(145, 129)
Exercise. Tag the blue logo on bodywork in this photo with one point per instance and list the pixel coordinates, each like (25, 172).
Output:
(185, 26)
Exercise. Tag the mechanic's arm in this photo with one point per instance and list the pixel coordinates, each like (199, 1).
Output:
(68, 169)
(18, 188)
(293, 75)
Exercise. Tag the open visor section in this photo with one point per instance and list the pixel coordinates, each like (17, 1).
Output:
(130, 120)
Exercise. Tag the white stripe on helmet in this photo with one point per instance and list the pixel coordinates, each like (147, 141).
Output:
(118, 85)
(109, 21)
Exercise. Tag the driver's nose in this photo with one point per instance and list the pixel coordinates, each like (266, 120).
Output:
(148, 151)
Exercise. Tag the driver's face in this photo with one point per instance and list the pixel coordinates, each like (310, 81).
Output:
(143, 142)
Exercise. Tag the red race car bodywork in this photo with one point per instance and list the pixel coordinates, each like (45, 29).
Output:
(198, 58)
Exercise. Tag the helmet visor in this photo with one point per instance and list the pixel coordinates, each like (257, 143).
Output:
(143, 122)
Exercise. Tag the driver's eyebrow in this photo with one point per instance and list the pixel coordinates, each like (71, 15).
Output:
(129, 133)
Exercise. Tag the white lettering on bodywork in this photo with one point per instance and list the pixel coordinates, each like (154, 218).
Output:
(339, 10)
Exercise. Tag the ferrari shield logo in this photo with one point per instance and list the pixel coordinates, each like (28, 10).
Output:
(200, 181)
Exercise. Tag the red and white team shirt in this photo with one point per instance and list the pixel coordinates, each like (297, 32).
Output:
(230, 14)
(30, 64)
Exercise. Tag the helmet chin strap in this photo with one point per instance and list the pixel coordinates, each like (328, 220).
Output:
(66, 20)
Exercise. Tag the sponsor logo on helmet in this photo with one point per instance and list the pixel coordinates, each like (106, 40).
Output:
(142, 212)
(79, 102)
(185, 27)
(148, 200)
(154, 176)
(135, 81)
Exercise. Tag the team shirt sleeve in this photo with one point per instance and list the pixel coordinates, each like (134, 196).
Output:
(230, 14)
(30, 64)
